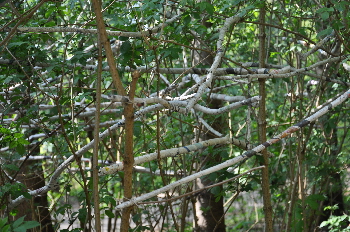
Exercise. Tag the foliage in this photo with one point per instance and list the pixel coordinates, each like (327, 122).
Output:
(17, 226)
(48, 94)
(337, 223)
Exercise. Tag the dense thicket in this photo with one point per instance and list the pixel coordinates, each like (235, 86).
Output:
(162, 115)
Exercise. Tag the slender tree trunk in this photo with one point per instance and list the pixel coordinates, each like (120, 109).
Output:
(262, 127)
(129, 155)
(31, 175)
(95, 179)
(209, 211)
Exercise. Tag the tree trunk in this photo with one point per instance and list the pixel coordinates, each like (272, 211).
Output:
(35, 209)
(31, 174)
(209, 212)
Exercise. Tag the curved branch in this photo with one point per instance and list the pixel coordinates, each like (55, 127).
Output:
(243, 157)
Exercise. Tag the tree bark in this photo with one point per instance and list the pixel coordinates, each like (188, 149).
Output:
(129, 155)
(210, 213)
(262, 126)
(35, 209)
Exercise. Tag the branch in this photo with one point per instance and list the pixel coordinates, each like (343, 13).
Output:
(27, 15)
(128, 157)
(190, 70)
(240, 158)
(96, 133)
(316, 47)
(53, 182)
(144, 33)
(216, 63)
(103, 38)
(175, 105)
(173, 152)
(204, 188)
(224, 97)
(296, 71)
(103, 162)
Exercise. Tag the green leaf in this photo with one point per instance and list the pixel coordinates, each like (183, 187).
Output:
(63, 208)
(244, 11)
(125, 47)
(50, 24)
(123, 38)
(11, 166)
(82, 214)
(325, 15)
(196, 15)
(206, 6)
(341, 6)
(108, 199)
(5, 130)
(325, 9)
(137, 129)
(324, 32)
(27, 225)
(332, 208)
(205, 209)
(17, 44)
(3, 221)
(20, 149)
(323, 224)
(5, 228)
(215, 190)
(187, 20)
(109, 213)
(213, 176)
(314, 200)
(49, 11)
(136, 217)
(18, 222)
(27, 195)
(23, 141)
(14, 212)
(18, 135)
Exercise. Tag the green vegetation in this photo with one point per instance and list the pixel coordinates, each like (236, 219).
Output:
(103, 105)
